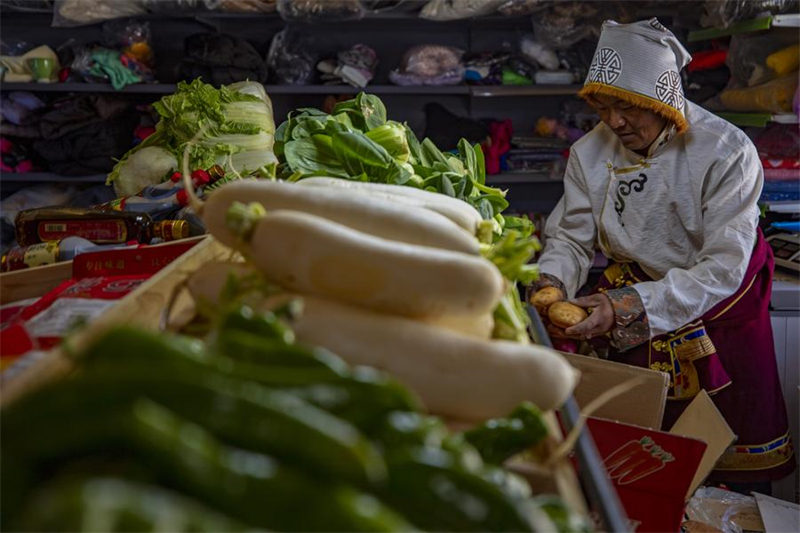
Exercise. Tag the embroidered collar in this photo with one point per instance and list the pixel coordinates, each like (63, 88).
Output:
(661, 142)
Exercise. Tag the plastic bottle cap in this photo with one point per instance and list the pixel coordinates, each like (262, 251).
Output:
(182, 197)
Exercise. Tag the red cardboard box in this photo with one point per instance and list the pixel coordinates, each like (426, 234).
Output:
(651, 470)
(654, 472)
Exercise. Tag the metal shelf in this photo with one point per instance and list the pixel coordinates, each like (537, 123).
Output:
(493, 91)
(789, 20)
(786, 206)
(77, 87)
(482, 91)
(169, 88)
(516, 178)
(757, 119)
(48, 177)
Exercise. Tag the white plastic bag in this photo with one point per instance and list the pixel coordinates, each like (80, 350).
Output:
(459, 9)
(729, 512)
(68, 13)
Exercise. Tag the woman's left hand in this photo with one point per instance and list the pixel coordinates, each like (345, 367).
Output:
(599, 322)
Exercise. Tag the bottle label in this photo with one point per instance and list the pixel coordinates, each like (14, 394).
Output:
(18, 258)
(172, 230)
(97, 231)
(45, 253)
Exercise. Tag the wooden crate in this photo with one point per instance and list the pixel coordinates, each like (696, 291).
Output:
(145, 308)
(142, 307)
(33, 282)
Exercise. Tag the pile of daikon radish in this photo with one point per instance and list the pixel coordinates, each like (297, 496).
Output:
(390, 277)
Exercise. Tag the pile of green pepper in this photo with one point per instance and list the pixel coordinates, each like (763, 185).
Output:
(247, 430)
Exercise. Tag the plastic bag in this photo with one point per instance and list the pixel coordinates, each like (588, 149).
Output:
(81, 12)
(36, 196)
(459, 9)
(14, 48)
(291, 58)
(727, 511)
(179, 6)
(247, 6)
(772, 97)
(778, 141)
(27, 6)
(383, 6)
(518, 8)
(430, 64)
(133, 37)
(538, 53)
(748, 55)
(312, 11)
(221, 59)
(724, 13)
(355, 66)
(564, 24)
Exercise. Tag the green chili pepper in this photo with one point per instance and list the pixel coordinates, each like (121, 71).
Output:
(435, 493)
(251, 487)
(500, 438)
(248, 486)
(565, 520)
(108, 504)
(251, 348)
(264, 325)
(361, 396)
(240, 413)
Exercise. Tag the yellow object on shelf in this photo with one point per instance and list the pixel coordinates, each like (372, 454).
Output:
(785, 61)
(772, 97)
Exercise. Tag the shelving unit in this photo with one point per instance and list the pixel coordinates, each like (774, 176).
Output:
(758, 119)
(391, 34)
(788, 207)
(791, 20)
(48, 177)
(476, 91)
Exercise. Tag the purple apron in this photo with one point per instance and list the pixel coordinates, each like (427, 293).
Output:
(729, 352)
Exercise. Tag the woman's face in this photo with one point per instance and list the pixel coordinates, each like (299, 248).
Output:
(636, 127)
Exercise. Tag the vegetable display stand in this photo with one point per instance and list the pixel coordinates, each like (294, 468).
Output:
(601, 495)
(163, 303)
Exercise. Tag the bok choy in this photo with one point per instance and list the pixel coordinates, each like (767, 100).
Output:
(357, 141)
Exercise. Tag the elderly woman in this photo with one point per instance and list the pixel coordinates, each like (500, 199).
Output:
(668, 191)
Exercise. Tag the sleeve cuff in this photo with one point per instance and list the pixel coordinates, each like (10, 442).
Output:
(544, 280)
(632, 327)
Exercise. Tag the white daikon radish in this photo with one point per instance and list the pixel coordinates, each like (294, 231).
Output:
(207, 282)
(377, 216)
(480, 326)
(456, 210)
(456, 376)
(312, 255)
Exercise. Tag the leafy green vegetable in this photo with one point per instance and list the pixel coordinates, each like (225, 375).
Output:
(216, 124)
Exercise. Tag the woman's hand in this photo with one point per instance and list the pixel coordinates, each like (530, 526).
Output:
(600, 321)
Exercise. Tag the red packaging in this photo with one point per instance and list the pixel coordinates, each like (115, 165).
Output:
(651, 470)
(98, 281)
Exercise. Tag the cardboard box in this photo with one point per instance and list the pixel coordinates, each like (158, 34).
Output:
(654, 472)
